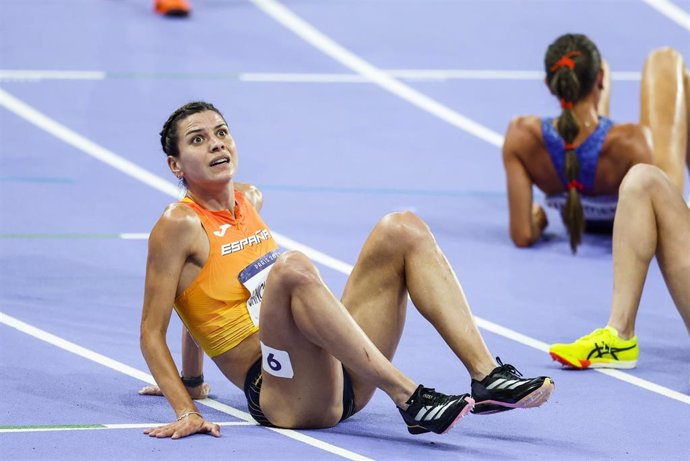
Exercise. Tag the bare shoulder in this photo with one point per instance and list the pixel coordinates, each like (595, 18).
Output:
(252, 193)
(630, 141)
(524, 133)
(178, 223)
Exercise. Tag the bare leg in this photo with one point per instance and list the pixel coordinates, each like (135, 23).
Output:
(686, 88)
(402, 255)
(301, 316)
(664, 111)
(651, 218)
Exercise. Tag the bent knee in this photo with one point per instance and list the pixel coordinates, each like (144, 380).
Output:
(665, 53)
(293, 268)
(403, 229)
(642, 180)
(664, 58)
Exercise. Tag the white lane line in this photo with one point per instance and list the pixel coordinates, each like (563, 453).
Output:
(37, 75)
(623, 376)
(320, 41)
(100, 427)
(671, 11)
(134, 373)
(75, 349)
(512, 334)
(315, 255)
(295, 435)
(415, 75)
(135, 236)
(41, 121)
(83, 144)
(285, 77)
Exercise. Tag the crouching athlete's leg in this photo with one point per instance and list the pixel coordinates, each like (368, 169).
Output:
(306, 334)
(401, 256)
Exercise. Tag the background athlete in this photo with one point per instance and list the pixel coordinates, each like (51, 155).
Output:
(581, 154)
(651, 219)
(315, 360)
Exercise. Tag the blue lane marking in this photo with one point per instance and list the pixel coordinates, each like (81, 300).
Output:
(37, 179)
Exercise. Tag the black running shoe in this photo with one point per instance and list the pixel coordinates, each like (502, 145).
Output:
(504, 389)
(431, 411)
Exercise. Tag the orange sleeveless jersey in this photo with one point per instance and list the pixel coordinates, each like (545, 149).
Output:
(214, 306)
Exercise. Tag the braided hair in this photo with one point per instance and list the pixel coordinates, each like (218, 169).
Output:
(572, 65)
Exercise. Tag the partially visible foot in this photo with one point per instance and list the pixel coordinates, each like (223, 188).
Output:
(602, 348)
(179, 8)
(504, 389)
(431, 411)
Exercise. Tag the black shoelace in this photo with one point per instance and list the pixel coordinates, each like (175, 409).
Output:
(508, 368)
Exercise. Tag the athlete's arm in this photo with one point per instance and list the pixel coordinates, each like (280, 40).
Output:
(170, 244)
(251, 193)
(527, 220)
(192, 370)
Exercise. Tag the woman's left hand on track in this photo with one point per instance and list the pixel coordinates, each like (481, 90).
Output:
(192, 424)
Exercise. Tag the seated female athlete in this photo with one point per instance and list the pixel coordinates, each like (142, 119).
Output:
(315, 360)
(580, 158)
(651, 220)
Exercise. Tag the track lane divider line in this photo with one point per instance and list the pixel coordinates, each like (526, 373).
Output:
(320, 41)
(147, 378)
(671, 11)
(96, 427)
(417, 75)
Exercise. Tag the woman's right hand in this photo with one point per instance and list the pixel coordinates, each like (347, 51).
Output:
(188, 425)
(539, 217)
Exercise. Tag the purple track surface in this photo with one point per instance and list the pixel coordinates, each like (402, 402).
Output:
(331, 158)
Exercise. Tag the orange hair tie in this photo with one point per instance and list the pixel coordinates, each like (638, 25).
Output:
(565, 61)
(566, 104)
(570, 147)
(574, 184)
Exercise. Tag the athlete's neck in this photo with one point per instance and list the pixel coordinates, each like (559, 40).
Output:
(586, 114)
(586, 111)
(215, 200)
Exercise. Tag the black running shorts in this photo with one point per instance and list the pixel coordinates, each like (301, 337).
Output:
(252, 390)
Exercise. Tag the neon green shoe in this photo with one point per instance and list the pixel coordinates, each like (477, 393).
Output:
(602, 348)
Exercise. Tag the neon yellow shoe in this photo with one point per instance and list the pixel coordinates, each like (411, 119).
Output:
(602, 348)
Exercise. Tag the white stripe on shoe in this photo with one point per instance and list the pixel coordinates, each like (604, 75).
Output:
(495, 383)
(429, 413)
(509, 382)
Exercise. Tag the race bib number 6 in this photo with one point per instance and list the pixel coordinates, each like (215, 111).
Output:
(276, 362)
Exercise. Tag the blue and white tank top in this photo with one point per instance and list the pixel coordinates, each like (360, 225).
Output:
(587, 153)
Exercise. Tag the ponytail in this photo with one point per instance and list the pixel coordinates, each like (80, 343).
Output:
(566, 85)
(572, 63)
